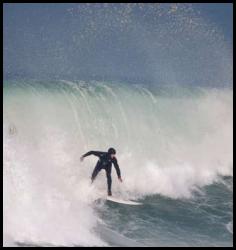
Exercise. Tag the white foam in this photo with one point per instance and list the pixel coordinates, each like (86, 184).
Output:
(45, 198)
(229, 227)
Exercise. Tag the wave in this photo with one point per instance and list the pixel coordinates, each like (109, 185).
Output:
(167, 143)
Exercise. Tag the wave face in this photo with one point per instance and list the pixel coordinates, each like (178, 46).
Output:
(172, 144)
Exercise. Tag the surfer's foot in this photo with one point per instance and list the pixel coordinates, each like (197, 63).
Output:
(109, 193)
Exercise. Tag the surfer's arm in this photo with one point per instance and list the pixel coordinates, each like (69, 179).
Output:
(117, 169)
(96, 153)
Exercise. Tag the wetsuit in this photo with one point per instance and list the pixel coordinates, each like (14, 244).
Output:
(105, 162)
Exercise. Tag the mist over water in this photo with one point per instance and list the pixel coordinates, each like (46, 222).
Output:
(154, 81)
(160, 44)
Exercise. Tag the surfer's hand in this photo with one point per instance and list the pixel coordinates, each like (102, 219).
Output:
(120, 179)
(81, 158)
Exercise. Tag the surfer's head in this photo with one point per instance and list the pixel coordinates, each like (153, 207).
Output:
(112, 152)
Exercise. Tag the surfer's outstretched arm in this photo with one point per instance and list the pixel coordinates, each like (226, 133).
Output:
(96, 153)
(117, 168)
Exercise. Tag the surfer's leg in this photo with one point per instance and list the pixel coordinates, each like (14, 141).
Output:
(95, 172)
(109, 181)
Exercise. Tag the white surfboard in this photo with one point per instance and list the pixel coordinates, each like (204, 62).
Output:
(127, 202)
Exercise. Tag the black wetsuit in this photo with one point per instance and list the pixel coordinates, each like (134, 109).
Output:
(105, 162)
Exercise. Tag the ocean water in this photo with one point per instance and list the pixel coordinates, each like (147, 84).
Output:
(175, 151)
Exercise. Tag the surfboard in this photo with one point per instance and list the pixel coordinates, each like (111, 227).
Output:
(127, 202)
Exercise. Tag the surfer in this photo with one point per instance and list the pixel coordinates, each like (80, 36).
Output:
(105, 162)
